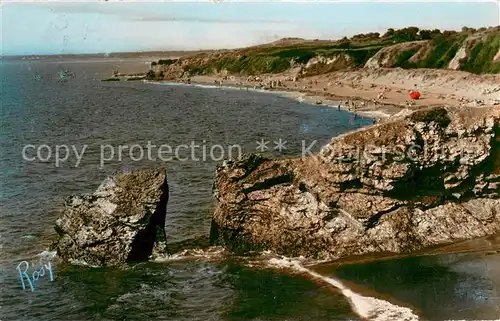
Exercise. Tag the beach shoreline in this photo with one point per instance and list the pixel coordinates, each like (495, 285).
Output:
(379, 111)
(379, 94)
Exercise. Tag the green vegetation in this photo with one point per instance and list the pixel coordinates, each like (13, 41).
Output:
(135, 78)
(402, 35)
(436, 51)
(482, 55)
(402, 59)
(152, 75)
(361, 56)
(249, 65)
(166, 61)
(437, 115)
(441, 48)
(444, 48)
(276, 60)
(163, 62)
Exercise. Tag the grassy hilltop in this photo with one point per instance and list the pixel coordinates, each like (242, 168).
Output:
(475, 51)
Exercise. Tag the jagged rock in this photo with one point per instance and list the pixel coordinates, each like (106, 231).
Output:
(123, 220)
(428, 178)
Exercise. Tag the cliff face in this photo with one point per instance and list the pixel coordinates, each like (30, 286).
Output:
(430, 178)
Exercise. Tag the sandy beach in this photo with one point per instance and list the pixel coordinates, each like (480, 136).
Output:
(377, 93)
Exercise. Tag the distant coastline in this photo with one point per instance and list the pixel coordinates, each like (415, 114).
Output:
(139, 54)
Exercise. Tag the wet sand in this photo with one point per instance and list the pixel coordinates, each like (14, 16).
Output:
(485, 246)
(452, 286)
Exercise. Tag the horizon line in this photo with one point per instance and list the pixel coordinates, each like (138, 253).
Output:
(204, 50)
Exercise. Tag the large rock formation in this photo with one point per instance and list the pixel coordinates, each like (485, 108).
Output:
(123, 220)
(430, 178)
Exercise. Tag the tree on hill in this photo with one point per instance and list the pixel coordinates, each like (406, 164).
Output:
(468, 30)
(448, 33)
(366, 36)
(429, 34)
(406, 34)
(389, 33)
(435, 33)
(425, 34)
(344, 43)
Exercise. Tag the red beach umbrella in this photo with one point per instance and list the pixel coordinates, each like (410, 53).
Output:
(414, 95)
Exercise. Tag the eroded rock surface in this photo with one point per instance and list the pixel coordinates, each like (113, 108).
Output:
(123, 220)
(432, 177)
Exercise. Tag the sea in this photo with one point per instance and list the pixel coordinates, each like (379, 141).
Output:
(63, 131)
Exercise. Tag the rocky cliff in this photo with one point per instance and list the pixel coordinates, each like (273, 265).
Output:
(123, 220)
(430, 178)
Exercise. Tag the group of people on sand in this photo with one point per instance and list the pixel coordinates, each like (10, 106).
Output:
(353, 110)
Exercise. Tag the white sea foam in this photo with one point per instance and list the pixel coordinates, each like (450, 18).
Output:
(214, 252)
(366, 307)
(49, 255)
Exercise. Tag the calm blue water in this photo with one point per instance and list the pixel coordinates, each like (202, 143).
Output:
(54, 103)
(65, 103)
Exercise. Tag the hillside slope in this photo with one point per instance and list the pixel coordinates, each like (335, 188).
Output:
(470, 50)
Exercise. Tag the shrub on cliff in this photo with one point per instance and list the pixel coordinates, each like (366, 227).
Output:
(160, 75)
(151, 75)
(166, 61)
(437, 115)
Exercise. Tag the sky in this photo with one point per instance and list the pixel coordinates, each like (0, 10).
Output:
(96, 26)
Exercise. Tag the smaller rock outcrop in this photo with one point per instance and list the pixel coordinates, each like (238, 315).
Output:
(122, 221)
